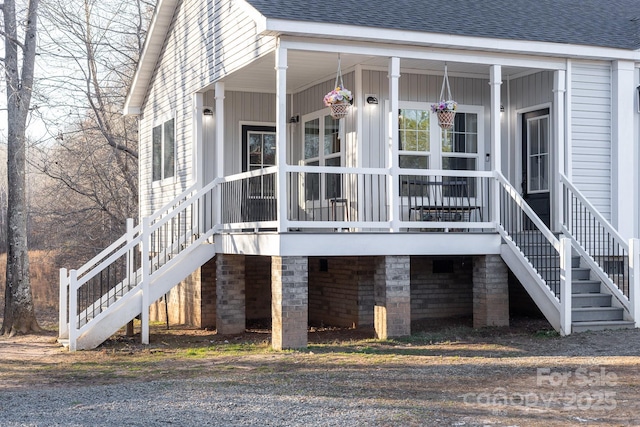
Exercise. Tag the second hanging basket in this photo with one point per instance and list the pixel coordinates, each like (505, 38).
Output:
(339, 99)
(446, 118)
(340, 110)
(446, 110)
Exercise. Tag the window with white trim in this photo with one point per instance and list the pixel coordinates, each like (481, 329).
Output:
(163, 151)
(322, 146)
(424, 145)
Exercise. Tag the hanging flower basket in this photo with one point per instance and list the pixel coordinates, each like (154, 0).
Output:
(339, 100)
(445, 118)
(339, 110)
(446, 110)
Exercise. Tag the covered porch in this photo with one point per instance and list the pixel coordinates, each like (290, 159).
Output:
(283, 164)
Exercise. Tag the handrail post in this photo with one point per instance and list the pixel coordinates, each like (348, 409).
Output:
(146, 275)
(73, 309)
(63, 322)
(634, 280)
(565, 286)
(131, 265)
(494, 199)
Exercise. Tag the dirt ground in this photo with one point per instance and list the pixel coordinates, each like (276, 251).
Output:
(448, 374)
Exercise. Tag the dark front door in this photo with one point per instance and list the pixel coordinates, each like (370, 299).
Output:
(536, 162)
(258, 152)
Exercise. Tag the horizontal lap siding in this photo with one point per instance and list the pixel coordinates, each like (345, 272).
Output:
(206, 40)
(591, 130)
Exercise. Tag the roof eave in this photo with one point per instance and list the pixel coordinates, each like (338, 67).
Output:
(330, 30)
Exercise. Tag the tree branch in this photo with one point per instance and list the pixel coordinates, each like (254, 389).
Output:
(14, 40)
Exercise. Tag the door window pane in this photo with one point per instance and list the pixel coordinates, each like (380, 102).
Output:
(269, 147)
(538, 149)
(331, 135)
(312, 139)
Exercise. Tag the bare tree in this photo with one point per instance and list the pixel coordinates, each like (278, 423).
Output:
(19, 316)
(91, 171)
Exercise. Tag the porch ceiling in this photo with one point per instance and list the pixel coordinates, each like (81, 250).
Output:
(308, 68)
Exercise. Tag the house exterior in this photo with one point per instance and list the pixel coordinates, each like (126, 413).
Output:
(264, 206)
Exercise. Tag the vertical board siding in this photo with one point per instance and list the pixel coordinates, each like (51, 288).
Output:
(591, 130)
(207, 40)
(525, 92)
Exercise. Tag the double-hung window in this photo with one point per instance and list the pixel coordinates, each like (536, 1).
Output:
(424, 145)
(163, 151)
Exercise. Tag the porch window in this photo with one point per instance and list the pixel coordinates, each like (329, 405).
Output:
(422, 146)
(414, 128)
(322, 147)
(163, 150)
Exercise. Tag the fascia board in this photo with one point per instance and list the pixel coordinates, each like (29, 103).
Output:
(316, 29)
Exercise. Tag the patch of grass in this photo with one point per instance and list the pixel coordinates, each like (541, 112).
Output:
(231, 349)
(546, 333)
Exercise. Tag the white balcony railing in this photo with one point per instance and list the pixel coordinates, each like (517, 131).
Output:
(359, 199)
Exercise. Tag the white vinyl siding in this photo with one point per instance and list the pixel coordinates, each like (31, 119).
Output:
(591, 130)
(207, 40)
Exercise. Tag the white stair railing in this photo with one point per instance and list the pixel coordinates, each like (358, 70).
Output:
(603, 248)
(545, 255)
(89, 291)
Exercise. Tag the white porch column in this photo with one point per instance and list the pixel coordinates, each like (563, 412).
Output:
(495, 81)
(198, 166)
(559, 91)
(281, 137)
(623, 164)
(219, 152)
(393, 148)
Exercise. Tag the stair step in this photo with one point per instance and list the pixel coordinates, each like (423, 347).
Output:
(585, 287)
(590, 300)
(580, 273)
(590, 314)
(601, 326)
(550, 262)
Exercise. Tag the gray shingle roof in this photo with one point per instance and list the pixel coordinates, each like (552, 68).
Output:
(607, 23)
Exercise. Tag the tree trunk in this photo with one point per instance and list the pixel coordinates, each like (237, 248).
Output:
(19, 316)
